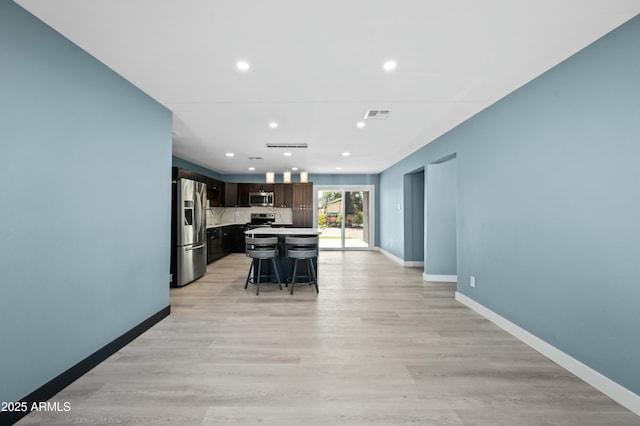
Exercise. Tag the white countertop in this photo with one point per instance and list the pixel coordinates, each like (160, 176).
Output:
(283, 231)
(219, 225)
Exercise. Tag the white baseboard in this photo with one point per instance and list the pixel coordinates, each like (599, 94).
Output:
(391, 256)
(618, 393)
(407, 263)
(440, 278)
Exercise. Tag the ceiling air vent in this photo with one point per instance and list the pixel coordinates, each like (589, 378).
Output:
(287, 145)
(377, 114)
(255, 158)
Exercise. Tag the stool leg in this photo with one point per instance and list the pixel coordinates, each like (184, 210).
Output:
(275, 267)
(286, 280)
(248, 276)
(315, 276)
(293, 280)
(259, 272)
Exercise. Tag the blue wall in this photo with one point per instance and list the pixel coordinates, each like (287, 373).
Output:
(547, 196)
(85, 175)
(441, 218)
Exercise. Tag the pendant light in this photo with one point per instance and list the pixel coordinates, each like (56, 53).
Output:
(270, 177)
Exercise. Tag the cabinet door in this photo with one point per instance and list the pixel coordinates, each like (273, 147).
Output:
(243, 194)
(303, 218)
(296, 195)
(302, 205)
(210, 243)
(307, 217)
(297, 217)
(183, 173)
(222, 194)
(307, 195)
(260, 187)
(230, 194)
(283, 195)
(288, 195)
(238, 239)
(296, 204)
(302, 195)
(227, 239)
(278, 195)
(215, 192)
(214, 244)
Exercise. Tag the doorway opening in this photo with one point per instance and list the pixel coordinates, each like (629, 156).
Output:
(441, 224)
(344, 216)
(414, 218)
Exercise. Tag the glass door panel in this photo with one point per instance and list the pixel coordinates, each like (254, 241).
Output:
(330, 218)
(356, 221)
(343, 219)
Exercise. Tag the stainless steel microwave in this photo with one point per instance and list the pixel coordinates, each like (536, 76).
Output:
(261, 199)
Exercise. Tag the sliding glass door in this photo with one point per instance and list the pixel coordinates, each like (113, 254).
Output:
(343, 215)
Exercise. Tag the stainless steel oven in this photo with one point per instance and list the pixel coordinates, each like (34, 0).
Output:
(261, 199)
(261, 220)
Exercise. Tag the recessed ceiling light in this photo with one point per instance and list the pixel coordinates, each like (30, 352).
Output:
(287, 154)
(338, 168)
(252, 168)
(273, 125)
(242, 65)
(389, 65)
(294, 168)
(360, 124)
(346, 154)
(229, 154)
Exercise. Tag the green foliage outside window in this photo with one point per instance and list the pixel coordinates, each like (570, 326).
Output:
(322, 220)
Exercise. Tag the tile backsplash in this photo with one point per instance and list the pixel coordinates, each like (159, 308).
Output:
(241, 215)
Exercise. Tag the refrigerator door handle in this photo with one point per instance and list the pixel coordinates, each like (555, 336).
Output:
(194, 247)
(198, 213)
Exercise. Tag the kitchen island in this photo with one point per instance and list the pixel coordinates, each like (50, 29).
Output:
(285, 264)
(283, 232)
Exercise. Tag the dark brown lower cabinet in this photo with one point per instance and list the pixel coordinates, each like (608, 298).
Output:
(224, 240)
(214, 244)
(238, 239)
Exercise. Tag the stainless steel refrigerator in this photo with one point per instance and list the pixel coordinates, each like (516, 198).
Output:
(191, 231)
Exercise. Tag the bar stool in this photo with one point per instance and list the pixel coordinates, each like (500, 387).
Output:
(303, 248)
(259, 249)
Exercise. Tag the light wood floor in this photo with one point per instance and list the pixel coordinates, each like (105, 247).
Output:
(376, 346)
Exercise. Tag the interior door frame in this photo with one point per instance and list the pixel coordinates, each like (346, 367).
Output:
(371, 189)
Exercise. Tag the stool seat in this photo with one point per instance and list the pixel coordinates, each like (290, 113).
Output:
(260, 249)
(305, 249)
(311, 241)
(257, 242)
(298, 253)
(262, 253)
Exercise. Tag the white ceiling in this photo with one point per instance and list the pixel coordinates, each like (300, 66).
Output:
(316, 67)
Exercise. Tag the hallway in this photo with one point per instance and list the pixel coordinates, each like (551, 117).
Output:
(377, 346)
